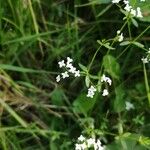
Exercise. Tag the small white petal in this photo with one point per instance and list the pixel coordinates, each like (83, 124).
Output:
(58, 78)
(126, 2)
(128, 7)
(81, 138)
(65, 75)
(139, 14)
(103, 78)
(72, 69)
(120, 37)
(69, 60)
(77, 73)
(115, 1)
(129, 105)
(69, 65)
(105, 92)
(145, 60)
(61, 64)
(118, 32)
(90, 142)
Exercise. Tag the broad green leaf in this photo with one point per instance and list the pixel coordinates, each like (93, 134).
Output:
(83, 104)
(111, 66)
(57, 97)
(126, 143)
(119, 103)
(144, 141)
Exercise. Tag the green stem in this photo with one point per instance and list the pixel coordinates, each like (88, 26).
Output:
(146, 83)
(93, 58)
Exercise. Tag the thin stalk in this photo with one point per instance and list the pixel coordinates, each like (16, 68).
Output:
(146, 83)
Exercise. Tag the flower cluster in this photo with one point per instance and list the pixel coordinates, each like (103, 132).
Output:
(85, 143)
(129, 105)
(120, 36)
(135, 12)
(147, 58)
(69, 69)
(92, 89)
(106, 80)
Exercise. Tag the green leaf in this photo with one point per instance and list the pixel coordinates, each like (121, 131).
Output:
(144, 141)
(111, 66)
(57, 97)
(138, 44)
(106, 45)
(135, 23)
(83, 104)
(84, 68)
(100, 1)
(87, 81)
(126, 143)
(124, 43)
(119, 103)
(21, 69)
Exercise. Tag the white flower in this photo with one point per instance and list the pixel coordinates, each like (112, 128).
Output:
(109, 81)
(61, 64)
(86, 143)
(69, 60)
(115, 1)
(65, 75)
(126, 2)
(78, 147)
(90, 142)
(105, 92)
(77, 73)
(91, 91)
(81, 138)
(120, 37)
(145, 60)
(128, 7)
(92, 88)
(133, 12)
(118, 32)
(69, 65)
(69, 69)
(83, 146)
(58, 78)
(106, 79)
(139, 14)
(148, 51)
(103, 78)
(142, 0)
(97, 146)
(72, 69)
(129, 105)
(90, 94)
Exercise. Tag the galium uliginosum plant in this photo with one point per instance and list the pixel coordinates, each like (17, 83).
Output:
(71, 70)
(109, 69)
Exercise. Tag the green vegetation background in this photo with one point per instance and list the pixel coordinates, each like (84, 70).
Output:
(36, 113)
